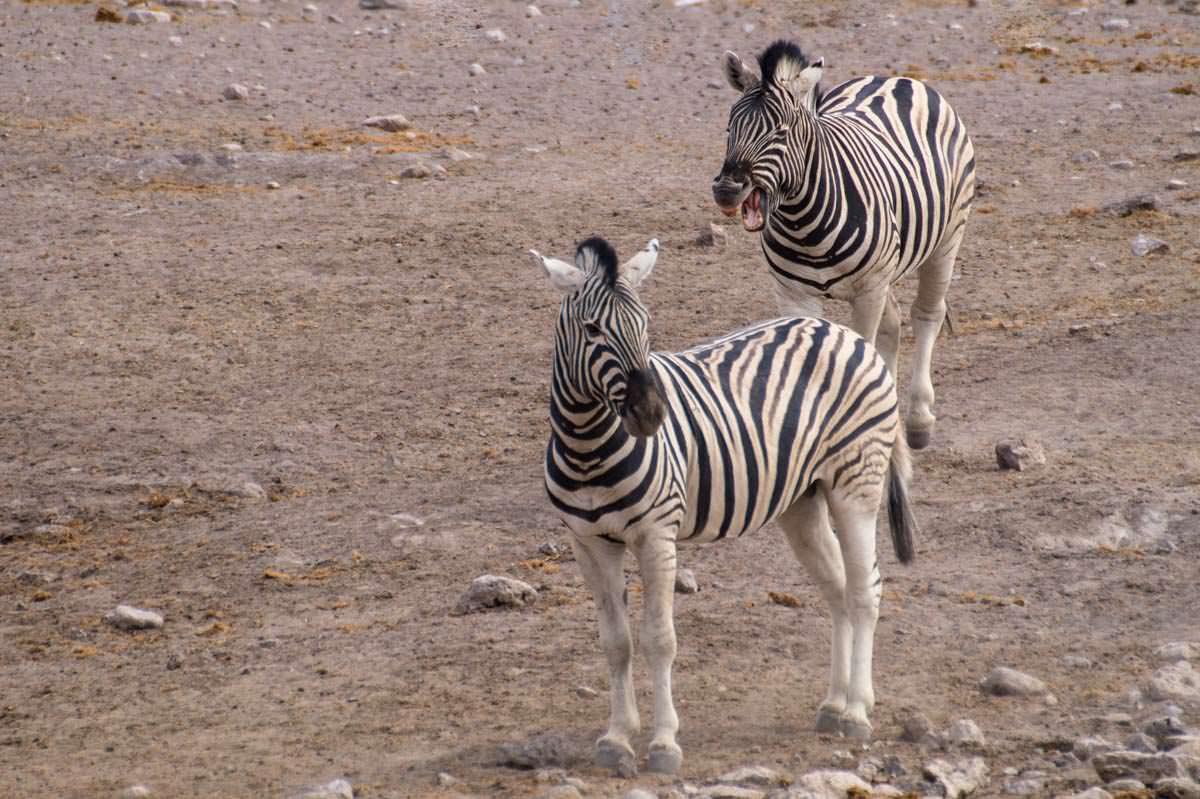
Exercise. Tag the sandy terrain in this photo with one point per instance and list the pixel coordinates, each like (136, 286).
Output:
(361, 345)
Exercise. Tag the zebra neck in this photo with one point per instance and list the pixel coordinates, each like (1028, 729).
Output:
(586, 433)
(816, 197)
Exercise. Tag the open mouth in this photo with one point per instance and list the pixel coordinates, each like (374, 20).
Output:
(752, 210)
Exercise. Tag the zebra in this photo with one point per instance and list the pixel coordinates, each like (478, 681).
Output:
(852, 189)
(792, 420)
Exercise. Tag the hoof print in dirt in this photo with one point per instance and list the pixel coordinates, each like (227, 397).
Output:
(491, 591)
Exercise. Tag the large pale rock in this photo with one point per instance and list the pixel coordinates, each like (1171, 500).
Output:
(729, 792)
(958, 778)
(492, 591)
(1178, 650)
(752, 775)
(390, 122)
(1176, 788)
(1144, 245)
(1087, 748)
(1004, 681)
(1175, 682)
(1090, 793)
(685, 582)
(832, 784)
(1148, 768)
(335, 789)
(126, 617)
(143, 16)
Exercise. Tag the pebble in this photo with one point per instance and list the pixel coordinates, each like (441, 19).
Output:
(310, 8)
(235, 91)
(446, 779)
(1187, 155)
(377, 5)
(491, 591)
(1004, 681)
(417, 171)
(1115, 106)
(126, 617)
(685, 582)
(715, 236)
(1119, 765)
(543, 751)
(456, 155)
(1143, 245)
(143, 16)
(832, 782)
(1139, 202)
(1124, 165)
(1176, 183)
(1026, 786)
(1115, 24)
(1130, 785)
(391, 123)
(915, 726)
(272, 184)
(965, 731)
(495, 35)
(264, 24)
(477, 69)
(1140, 742)
(1085, 157)
(175, 40)
(1090, 793)
(334, 789)
(1175, 682)
(474, 110)
(584, 692)
(250, 490)
(1178, 650)
(753, 775)
(1077, 662)
(959, 778)
(639, 793)
(728, 792)
(532, 11)
(334, 19)
(1019, 454)
(562, 792)
(135, 792)
(1176, 788)
(1089, 747)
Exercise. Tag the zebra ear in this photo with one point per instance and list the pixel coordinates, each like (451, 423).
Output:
(638, 268)
(802, 85)
(740, 76)
(565, 277)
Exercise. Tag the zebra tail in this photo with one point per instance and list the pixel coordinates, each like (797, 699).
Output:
(900, 516)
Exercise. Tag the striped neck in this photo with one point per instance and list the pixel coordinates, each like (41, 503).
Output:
(584, 427)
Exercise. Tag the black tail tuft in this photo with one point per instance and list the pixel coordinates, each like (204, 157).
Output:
(900, 516)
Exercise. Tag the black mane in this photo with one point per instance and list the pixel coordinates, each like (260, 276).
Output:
(769, 59)
(605, 255)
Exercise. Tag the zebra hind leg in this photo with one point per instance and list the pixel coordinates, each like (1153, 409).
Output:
(806, 526)
(601, 564)
(887, 340)
(928, 312)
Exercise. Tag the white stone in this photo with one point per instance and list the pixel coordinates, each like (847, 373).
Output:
(1143, 245)
(311, 8)
(1089, 747)
(231, 146)
(562, 792)
(264, 24)
(729, 792)
(584, 692)
(126, 617)
(1178, 650)
(753, 775)
(490, 591)
(333, 19)
(175, 40)
(495, 35)
(1176, 183)
(477, 70)
(1090, 793)
(135, 792)
(959, 778)
(965, 731)
(1085, 157)
(143, 16)
(377, 5)
(456, 155)
(1077, 661)
(445, 779)
(1115, 24)
(1120, 765)
(335, 789)
(390, 123)
(235, 91)
(272, 184)
(251, 490)
(639, 793)
(685, 582)
(832, 783)
(1175, 682)
(532, 11)
(1004, 681)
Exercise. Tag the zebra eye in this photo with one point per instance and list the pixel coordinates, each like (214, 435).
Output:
(593, 331)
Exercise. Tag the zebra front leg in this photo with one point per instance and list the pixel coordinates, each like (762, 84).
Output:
(656, 560)
(867, 310)
(928, 312)
(887, 340)
(855, 515)
(806, 526)
(793, 302)
(600, 562)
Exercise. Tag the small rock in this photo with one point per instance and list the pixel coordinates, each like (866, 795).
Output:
(1140, 742)
(1115, 24)
(915, 727)
(131, 618)
(476, 70)
(1089, 747)
(106, 14)
(264, 24)
(1178, 650)
(752, 775)
(1090, 793)
(135, 792)
(831, 782)
(1077, 662)
(1085, 157)
(1140, 202)
(474, 110)
(175, 40)
(235, 91)
(1026, 786)
(544, 751)
(965, 731)
(728, 792)
(333, 19)
(1120, 765)
(1164, 728)
(1124, 164)
(552, 549)
(1019, 454)
(272, 184)
(491, 591)
(639, 793)
(1176, 788)
(310, 8)
(417, 171)
(495, 35)
(584, 692)
(1175, 682)
(875, 769)
(959, 778)
(1128, 786)
(1175, 183)
(335, 789)
(143, 16)
(445, 779)
(716, 236)
(1186, 156)
(532, 11)
(251, 490)
(379, 5)
(390, 123)
(174, 661)
(685, 582)
(456, 155)
(1115, 106)
(1004, 681)
(1143, 245)
(562, 792)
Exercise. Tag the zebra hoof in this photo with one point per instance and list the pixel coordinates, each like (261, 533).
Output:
(617, 758)
(918, 439)
(664, 760)
(856, 730)
(828, 722)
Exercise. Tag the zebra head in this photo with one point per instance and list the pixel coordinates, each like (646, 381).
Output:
(601, 345)
(761, 166)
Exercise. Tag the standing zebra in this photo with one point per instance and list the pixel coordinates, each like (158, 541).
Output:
(852, 189)
(789, 420)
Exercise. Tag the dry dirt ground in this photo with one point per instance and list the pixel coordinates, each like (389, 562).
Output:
(363, 346)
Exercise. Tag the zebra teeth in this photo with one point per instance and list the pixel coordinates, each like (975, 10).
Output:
(752, 217)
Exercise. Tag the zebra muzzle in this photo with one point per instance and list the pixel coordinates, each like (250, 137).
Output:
(643, 411)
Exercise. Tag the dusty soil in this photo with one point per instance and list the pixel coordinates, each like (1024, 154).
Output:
(362, 346)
